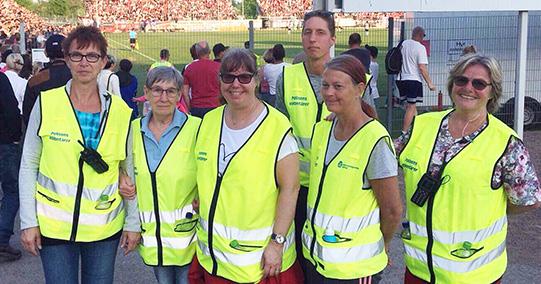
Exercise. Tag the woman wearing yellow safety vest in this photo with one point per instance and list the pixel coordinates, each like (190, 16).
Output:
(164, 163)
(77, 137)
(247, 183)
(354, 204)
(464, 170)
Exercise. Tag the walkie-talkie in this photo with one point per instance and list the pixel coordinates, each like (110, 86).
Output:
(93, 159)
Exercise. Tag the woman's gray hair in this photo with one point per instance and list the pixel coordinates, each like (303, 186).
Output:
(164, 74)
(494, 71)
(15, 61)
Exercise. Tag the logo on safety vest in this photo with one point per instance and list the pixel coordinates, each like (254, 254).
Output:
(59, 136)
(299, 101)
(202, 156)
(345, 166)
(410, 164)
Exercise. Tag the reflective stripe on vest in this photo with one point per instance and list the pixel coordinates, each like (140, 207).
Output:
(237, 234)
(246, 258)
(71, 190)
(460, 237)
(344, 225)
(463, 266)
(84, 219)
(174, 243)
(345, 254)
(170, 217)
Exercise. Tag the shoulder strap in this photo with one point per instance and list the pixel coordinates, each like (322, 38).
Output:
(108, 81)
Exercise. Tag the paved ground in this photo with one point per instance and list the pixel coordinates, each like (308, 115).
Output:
(524, 250)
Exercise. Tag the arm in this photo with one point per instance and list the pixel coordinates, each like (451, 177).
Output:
(115, 85)
(186, 95)
(424, 72)
(28, 173)
(390, 206)
(288, 182)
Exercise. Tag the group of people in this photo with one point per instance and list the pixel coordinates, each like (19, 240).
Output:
(302, 192)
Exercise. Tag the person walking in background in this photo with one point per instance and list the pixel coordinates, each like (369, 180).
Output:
(164, 156)
(264, 92)
(164, 60)
(55, 74)
(133, 39)
(201, 76)
(272, 70)
(340, 245)
(219, 51)
(414, 69)
(374, 71)
(464, 172)
(107, 79)
(128, 85)
(77, 140)
(10, 155)
(14, 63)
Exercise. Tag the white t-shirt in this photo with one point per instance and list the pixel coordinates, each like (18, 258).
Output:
(233, 139)
(108, 78)
(18, 85)
(271, 73)
(374, 71)
(413, 54)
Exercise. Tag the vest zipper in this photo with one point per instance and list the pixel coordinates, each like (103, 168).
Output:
(77, 209)
(319, 111)
(157, 216)
(212, 212)
(312, 223)
(430, 243)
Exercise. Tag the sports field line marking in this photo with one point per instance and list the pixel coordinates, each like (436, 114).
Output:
(134, 50)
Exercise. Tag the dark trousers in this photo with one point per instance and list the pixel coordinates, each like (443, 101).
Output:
(313, 277)
(300, 218)
(10, 159)
(200, 111)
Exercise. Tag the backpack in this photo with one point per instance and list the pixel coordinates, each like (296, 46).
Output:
(393, 59)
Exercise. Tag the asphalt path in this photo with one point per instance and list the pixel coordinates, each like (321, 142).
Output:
(523, 247)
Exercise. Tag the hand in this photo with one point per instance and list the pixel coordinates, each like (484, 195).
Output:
(31, 240)
(195, 205)
(126, 186)
(432, 87)
(271, 262)
(129, 241)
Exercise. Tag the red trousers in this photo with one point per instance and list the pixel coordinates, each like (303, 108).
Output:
(412, 279)
(198, 275)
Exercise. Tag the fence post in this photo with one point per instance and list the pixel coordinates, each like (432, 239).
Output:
(390, 78)
(251, 34)
(520, 72)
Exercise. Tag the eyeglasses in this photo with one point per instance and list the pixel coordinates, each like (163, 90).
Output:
(157, 92)
(77, 57)
(244, 78)
(477, 84)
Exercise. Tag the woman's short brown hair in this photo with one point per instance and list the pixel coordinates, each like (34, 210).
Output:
(85, 37)
(237, 58)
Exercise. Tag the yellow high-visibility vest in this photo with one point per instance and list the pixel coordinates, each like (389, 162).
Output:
(237, 210)
(338, 203)
(165, 198)
(74, 202)
(457, 236)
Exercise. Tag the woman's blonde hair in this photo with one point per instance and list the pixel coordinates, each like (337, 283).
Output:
(15, 61)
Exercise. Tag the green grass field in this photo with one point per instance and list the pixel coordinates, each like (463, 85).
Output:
(179, 43)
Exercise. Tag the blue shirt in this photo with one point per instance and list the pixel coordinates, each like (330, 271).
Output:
(90, 126)
(156, 150)
(133, 34)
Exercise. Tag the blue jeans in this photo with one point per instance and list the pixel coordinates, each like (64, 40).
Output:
(172, 274)
(61, 262)
(10, 159)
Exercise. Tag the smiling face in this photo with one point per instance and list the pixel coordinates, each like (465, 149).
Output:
(467, 98)
(339, 91)
(236, 93)
(163, 97)
(316, 38)
(83, 71)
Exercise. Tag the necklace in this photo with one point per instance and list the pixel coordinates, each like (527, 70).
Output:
(244, 119)
(463, 133)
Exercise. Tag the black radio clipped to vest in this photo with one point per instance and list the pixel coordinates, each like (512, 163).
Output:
(426, 187)
(93, 159)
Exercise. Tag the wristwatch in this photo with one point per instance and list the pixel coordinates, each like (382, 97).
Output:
(277, 238)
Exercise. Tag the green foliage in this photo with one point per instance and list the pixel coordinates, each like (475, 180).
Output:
(26, 3)
(250, 9)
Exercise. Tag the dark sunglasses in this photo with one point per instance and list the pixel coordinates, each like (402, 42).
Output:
(477, 84)
(244, 78)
